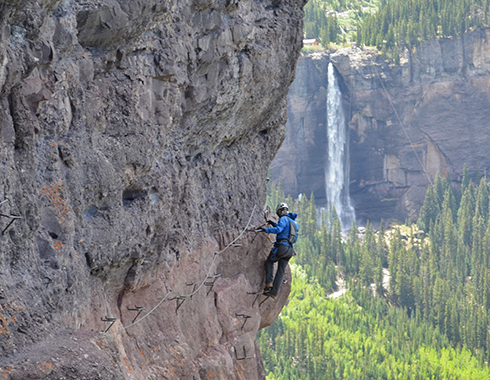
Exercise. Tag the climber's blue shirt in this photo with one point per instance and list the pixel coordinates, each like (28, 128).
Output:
(281, 228)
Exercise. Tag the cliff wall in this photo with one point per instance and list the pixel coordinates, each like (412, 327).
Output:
(428, 114)
(135, 139)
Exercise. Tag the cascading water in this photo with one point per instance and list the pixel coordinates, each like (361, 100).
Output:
(337, 165)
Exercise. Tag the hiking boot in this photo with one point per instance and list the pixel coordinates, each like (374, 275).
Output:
(268, 294)
(268, 287)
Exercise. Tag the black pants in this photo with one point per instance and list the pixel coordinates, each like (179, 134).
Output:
(280, 254)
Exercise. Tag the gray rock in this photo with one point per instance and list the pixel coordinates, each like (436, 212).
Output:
(135, 139)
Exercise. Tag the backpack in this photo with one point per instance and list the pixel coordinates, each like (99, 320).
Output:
(293, 231)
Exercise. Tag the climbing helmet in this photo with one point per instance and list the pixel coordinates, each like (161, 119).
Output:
(280, 207)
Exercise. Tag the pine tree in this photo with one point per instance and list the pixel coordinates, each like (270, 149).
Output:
(465, 215)
(430, 209)
(337, 248)
(466, 179)
(367, 260)
(394, 257)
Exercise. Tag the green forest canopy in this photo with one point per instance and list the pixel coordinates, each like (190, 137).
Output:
(390, 23)
(357, 336)
(335, 20)
(427, 319)
(406, 22)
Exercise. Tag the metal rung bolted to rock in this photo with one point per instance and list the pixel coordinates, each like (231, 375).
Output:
(245, 317)
(180, 301)
(108, 319)
(139, 309)
(194, 288)
(12, 217)
(47, 281)
(211, 283)
(266, 298)
(257, 295)
(244, 354)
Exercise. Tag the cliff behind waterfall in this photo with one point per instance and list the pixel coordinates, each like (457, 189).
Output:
(405, 122)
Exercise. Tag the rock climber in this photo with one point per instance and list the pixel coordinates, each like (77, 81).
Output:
(283, 248)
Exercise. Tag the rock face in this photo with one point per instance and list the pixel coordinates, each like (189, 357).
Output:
(135, 138)
(431, 113)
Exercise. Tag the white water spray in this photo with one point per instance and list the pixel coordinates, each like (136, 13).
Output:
(337, 166)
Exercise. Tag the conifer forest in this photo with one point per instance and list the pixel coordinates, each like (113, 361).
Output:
(404, 302)
(387, 24)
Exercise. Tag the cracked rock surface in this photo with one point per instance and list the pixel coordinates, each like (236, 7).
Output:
(135, 140)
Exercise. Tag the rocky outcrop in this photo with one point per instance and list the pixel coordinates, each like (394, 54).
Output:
(135, 140)
(428, 114)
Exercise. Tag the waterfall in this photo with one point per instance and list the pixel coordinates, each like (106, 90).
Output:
(337, 165)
